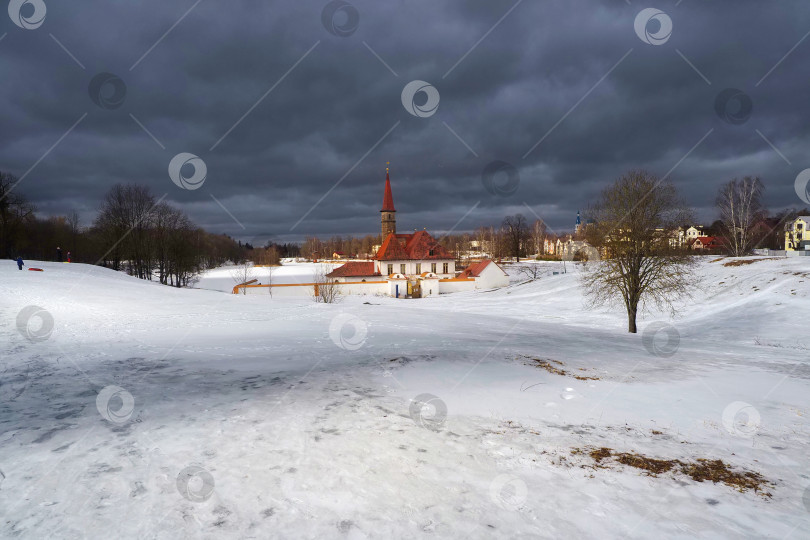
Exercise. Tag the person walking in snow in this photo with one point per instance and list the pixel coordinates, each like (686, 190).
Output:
(58, 254)
(20, 263)
(68, 256)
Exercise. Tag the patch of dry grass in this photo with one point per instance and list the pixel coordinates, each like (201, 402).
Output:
(742, 262)
(549, 365)
(700, 470)
(717, 471)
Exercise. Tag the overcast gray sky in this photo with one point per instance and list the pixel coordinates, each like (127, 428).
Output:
(295, 107)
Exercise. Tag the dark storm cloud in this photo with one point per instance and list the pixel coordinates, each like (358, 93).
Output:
(508, 92)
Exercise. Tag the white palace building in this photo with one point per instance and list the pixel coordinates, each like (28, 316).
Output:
(411, 265)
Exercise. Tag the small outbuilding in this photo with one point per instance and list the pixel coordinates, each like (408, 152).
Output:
(487, 274)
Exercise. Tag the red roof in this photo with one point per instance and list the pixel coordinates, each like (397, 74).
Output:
(393, 248)
(475, 269)
(354, 269)
(418, 246)
(709, 240)
(388, 198)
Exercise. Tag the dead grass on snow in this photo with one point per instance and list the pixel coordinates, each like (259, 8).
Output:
(700, 470)
(548, 365)
(742, 262)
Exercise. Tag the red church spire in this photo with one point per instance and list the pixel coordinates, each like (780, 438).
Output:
(388, 198)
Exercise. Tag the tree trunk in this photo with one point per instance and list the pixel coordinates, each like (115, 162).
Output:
(631, 319)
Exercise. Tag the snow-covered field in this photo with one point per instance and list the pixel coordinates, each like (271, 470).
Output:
(130, 409)
(225, 278)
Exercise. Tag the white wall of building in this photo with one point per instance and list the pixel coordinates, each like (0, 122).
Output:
(398, 287)
(423, 266)
(281, 291)
(430, 287)
(456, 285)
(308, 290)
(491, 276)
(369, 287)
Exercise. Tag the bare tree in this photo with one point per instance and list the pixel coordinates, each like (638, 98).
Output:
(243, 274)
(538, 235)
(267, 256)
(74, 224)
(740, 205)
(633, 221)
(312, 248)
(517, 232)
(531, 271)
(325, 290)
(176, 246)
(126, 217)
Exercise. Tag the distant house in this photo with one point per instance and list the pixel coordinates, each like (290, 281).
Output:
(338, 255)
(767, 233)
(692, 233)
(559, 245)
(708, 243)
(479, 248)
(549, 245)
(797, 237)
(686, 236)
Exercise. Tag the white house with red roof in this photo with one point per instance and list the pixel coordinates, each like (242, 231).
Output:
(708, 243)
(416, 264)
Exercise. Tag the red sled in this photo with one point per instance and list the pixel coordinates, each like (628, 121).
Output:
(35, 270)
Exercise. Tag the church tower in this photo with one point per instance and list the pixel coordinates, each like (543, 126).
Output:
(388, 214)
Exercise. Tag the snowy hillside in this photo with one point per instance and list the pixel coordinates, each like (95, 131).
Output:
(147, 411)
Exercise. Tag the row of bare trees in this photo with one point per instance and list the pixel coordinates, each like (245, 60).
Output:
(133, 232)
(151, 239)
(350, 246)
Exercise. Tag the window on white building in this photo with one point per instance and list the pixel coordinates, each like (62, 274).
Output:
(402, 269)
(433, 267)
(418, 268)
(446, 268)
(390, 269)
